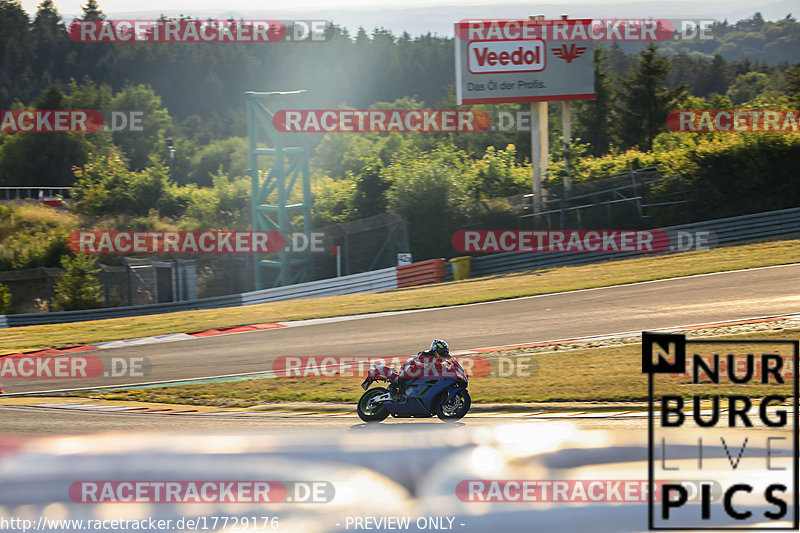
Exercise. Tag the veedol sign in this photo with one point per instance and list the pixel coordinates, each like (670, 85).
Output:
(496, 64)
(505, 56)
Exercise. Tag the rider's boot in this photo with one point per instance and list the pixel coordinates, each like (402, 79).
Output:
(395, 390)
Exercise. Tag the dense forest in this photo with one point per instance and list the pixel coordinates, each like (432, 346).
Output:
(192, 95)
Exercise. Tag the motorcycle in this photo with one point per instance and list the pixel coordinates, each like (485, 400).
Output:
(420, 392)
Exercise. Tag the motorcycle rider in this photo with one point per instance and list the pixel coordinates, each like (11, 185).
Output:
(438, 355)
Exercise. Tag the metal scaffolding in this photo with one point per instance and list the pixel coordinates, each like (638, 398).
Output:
(272, 191)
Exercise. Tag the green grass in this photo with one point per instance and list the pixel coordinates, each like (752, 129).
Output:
(470, 291)
(33, 235)
(586, 375)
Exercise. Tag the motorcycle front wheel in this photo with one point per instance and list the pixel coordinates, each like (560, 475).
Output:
(374, 413)
(454, 408)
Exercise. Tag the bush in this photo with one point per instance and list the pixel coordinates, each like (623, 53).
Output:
(224, 206)
(33, 235)
(497, 174)
(5, 300)
(428, 190)
(726, 174)
(105, 186)
(751, 174)
(333, 200)
(228, 156)
(78, 287)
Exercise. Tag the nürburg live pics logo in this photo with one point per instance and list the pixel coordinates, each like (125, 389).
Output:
(723, 411)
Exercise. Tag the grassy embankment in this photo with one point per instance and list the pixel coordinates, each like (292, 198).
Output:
(599, 374)
(484, 289)
(585, 375)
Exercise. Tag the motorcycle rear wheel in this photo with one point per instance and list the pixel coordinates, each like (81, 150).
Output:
(376, 413)
(448, 409)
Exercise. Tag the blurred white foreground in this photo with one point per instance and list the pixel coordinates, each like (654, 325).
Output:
(381, 471)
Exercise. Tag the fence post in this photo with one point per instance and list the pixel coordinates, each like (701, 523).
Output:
(346, 251)
(128, 280)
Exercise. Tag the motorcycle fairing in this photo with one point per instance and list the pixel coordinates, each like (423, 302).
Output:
(421, 399)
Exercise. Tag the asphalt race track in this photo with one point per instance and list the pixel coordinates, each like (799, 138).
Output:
(635, 307)
(400, 467)
(33, 421)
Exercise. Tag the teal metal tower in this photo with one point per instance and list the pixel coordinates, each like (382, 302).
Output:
(275, 204)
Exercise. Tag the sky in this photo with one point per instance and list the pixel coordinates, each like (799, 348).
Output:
(423, 16)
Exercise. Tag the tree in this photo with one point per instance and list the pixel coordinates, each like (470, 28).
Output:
(105, 186)
(195, 130)
(747, 86)
(43, 159)
(686, 69)
(720, 102)
(429, 192)
(644, 102)
(47, 14)
(753, 23)
(619, 62)
(229, 156)
(714, 79)
(78, 287)
(370, 193)
(97, 56)
(333, 200)
(340, 155)
(15, 45)
(149, 142)
(224, 206)
(793, 86)
(91, 11)
(87, 95)
(595, 117)
(51, 44)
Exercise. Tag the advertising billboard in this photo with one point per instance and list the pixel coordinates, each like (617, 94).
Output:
(534, 60)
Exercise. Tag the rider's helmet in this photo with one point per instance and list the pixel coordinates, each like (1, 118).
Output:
(440, 348)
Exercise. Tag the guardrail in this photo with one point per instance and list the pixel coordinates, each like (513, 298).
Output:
(726, 230)
(33, 193)
(422, 273)
(377, 280)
